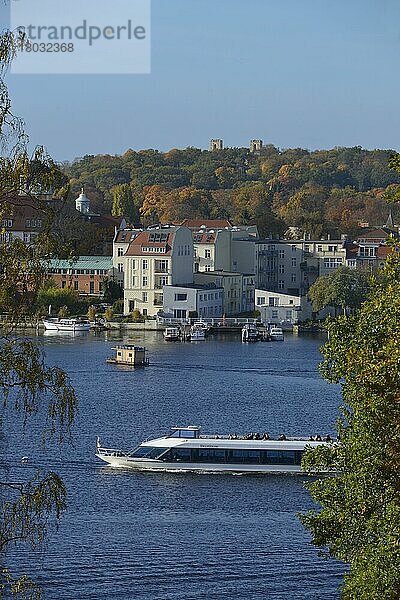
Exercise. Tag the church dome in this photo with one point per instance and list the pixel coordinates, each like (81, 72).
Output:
(82, 203)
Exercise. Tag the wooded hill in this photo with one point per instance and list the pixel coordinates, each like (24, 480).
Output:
(320, 192)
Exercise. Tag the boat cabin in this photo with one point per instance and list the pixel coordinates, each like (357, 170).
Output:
(190, 432)
(129, 355)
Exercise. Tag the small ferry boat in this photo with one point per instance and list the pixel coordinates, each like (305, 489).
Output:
(127, 354)
(172, 334)
(184, 449)
(71, 324)
(250, 333)
(276, 334)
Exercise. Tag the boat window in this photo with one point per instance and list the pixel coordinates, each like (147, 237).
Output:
(185, 433)
(282, 457)
(212, 455)
(178, 455)
(147, 452)
(244, 456)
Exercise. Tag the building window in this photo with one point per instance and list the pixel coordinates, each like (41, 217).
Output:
(144, 312)
(332, 263)
(131, 305)
(181, 297)
(145, 264)
(332, 248)
(281, 254)
(293, 262)
(120, 252)
(289, 314)
(144, 297)
(293, 277)
(273, 301)
(207, 268)
(281, 269)
(120, 268)
(319, 248)
(161, 266)
(260, 301)
(145, 280)
(274, 314)
(207, 253)
(281, 285)
(76, 285)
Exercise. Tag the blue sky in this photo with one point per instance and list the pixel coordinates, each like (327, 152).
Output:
(308, 73)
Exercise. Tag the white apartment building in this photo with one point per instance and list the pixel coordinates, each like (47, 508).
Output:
(184, 302)
(232, 284)
(156, 257)
(282, 309)
(122, 239)
(292, 266)
(331, 254)
(218, 245)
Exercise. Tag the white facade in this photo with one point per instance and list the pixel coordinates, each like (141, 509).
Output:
(156, 257)
(122, 239)
(282, 309)
(232, 284)
(182, 302)
(226, 249)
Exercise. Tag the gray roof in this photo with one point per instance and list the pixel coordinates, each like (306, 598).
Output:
(83, 262)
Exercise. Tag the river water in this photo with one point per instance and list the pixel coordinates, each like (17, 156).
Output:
(147, 536)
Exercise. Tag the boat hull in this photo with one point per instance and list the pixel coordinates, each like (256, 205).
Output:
(59, 326)
(124, 462)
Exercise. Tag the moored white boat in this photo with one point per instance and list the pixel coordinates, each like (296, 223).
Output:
(276, 334)
(72, 324)
(250, 333)
(172, 334)
(184, 449)
(202, 325)
(197, 334)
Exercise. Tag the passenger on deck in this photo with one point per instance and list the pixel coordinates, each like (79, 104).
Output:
(318, 438)
(266, 436)
(282, 437)
(328, 438)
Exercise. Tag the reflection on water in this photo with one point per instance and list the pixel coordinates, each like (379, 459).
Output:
(174, 536)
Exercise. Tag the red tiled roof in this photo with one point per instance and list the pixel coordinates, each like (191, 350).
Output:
(203, 238)
(126, 235)
(135, 248)
(23, 210)
(374, 234)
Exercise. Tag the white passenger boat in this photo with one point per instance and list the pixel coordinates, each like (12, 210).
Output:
(72, 324)
(184, 449)
(276, 334)
(172, 334)
(250, 333)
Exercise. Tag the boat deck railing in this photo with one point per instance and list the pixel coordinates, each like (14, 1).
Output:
(265, 436)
